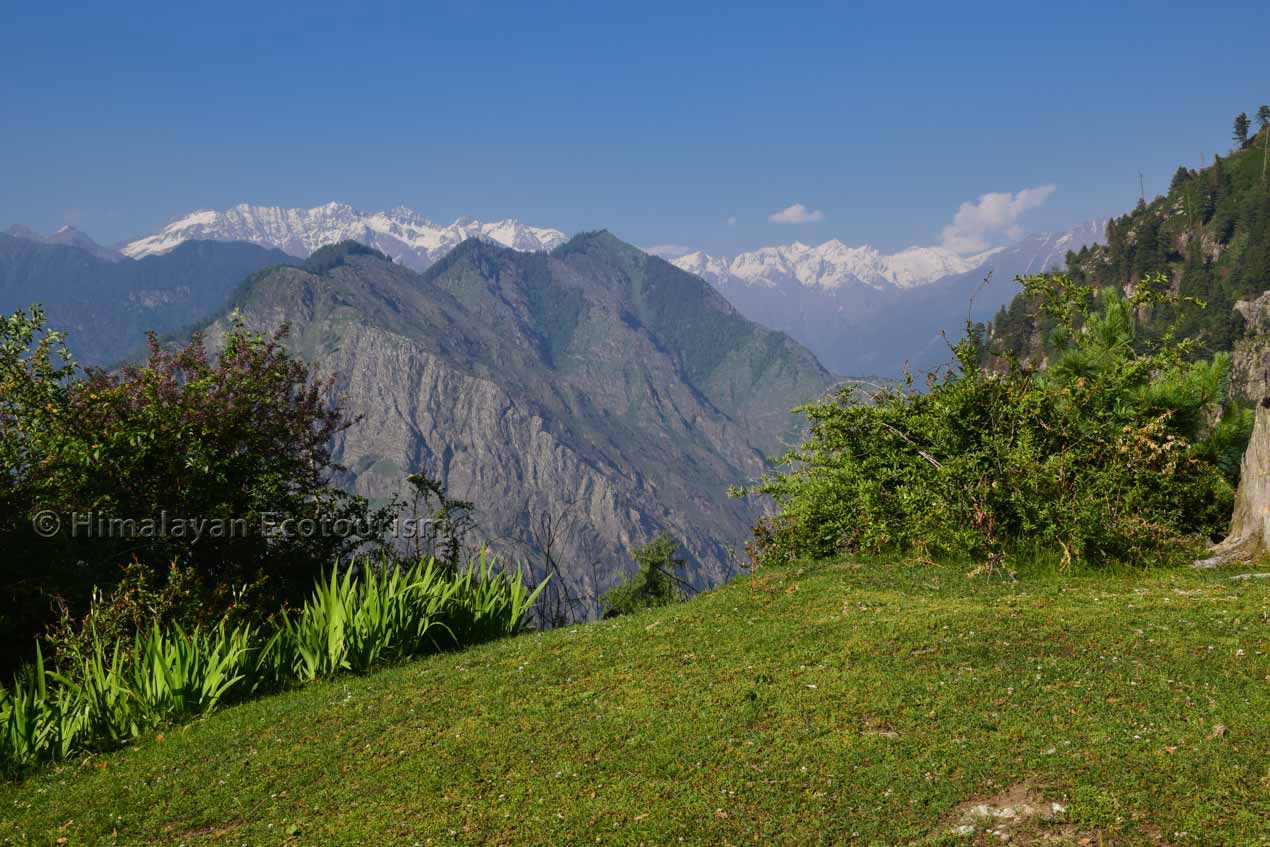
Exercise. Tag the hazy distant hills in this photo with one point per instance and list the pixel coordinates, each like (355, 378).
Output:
(595, 383)
(402, 234)
(107, 302)
(864, 312)
(67, 236)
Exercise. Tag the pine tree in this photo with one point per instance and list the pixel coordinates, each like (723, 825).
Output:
(1148, 254)
(1180, 178)
(1263, 118)
(1241, 130)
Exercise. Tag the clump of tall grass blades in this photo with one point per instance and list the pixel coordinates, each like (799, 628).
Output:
(365, 615)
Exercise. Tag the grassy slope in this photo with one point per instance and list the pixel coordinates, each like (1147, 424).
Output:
(830, 705)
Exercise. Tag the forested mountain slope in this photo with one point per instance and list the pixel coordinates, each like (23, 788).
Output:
(1210, 233)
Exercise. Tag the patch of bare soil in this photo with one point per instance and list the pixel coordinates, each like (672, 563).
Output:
(1019, 816)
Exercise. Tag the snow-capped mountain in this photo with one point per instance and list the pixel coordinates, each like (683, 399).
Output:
(1048, 251)
(834, 265)
(403, 234)
(866, 312)
(829, 266)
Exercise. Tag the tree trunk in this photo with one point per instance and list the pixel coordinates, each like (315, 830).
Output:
(1250, 526)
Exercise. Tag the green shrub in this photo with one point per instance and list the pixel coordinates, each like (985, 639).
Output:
(240, 441)
(145, 597)
(655, 583)
(1114, 453)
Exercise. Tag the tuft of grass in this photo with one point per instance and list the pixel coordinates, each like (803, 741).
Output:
(354, 620)
(835, 703)
(360, 619)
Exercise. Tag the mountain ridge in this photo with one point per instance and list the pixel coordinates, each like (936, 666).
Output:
(594, 384)
(860, 310)
(830, 265)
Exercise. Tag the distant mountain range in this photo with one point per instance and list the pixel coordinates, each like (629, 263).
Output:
(106, 302)
(829, 266)
(595, 384)
(865, 312)
(67, 236)
(402, 234)
(860, 310)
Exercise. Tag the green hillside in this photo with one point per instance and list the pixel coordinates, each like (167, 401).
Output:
(832, 704)
(1210, 233)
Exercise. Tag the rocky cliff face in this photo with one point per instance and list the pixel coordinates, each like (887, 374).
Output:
(595, 384)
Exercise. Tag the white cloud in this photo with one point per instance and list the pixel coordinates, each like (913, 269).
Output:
(731, 220)
(796, 214)
(996, 213)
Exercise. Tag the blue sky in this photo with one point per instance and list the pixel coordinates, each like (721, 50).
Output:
(665, 123)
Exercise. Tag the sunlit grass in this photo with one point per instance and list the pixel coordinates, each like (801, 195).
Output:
(836, 704)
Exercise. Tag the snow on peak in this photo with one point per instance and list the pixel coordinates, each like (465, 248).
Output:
(402, 233)
(829, 266)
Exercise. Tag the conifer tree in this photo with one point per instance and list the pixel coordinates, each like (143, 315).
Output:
(1263, 118)
(1180, 178)
(1241, 130)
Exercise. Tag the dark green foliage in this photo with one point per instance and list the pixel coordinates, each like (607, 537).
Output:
(655, 583)
(220, 467)
(1108, 455)
(440, 524)
(1180, 179)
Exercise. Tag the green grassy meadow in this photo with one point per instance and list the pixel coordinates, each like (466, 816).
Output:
(837, 703)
